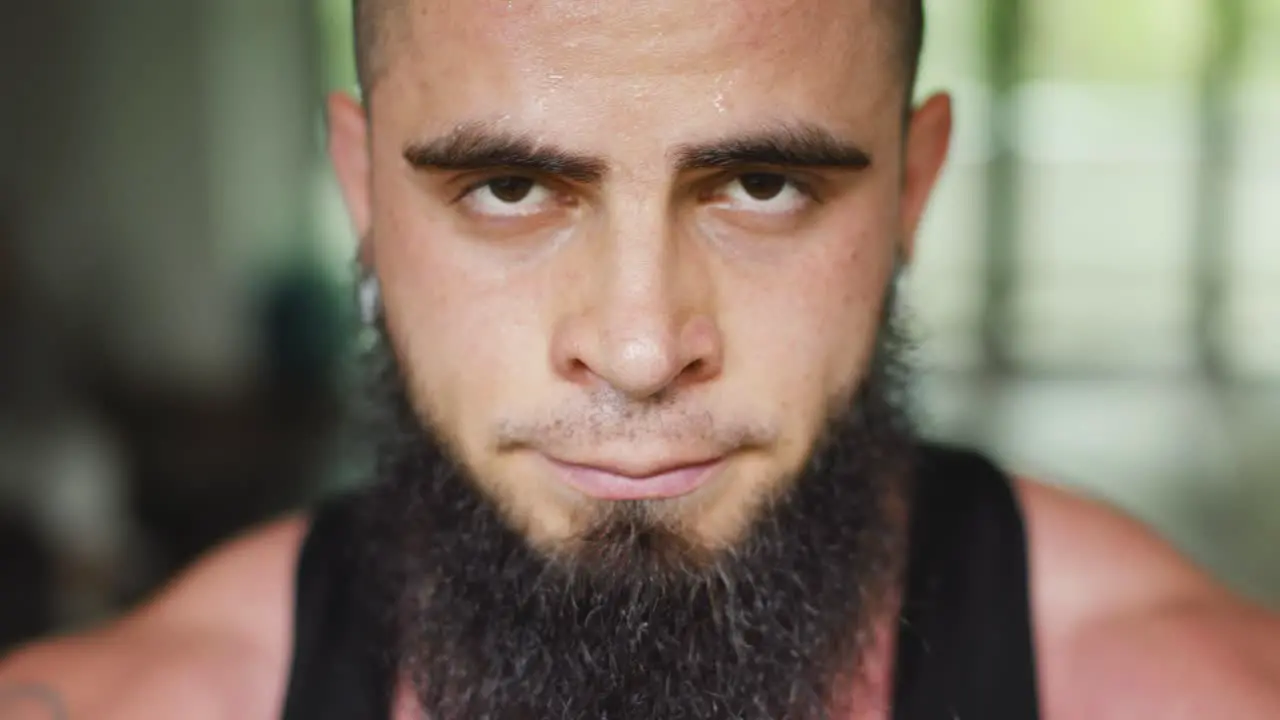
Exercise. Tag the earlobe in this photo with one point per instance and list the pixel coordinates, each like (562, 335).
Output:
(928, 141)
(349, 150)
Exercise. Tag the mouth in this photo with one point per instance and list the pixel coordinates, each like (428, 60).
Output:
(617, 483)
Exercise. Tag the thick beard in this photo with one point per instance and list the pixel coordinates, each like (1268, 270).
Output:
(644, 627)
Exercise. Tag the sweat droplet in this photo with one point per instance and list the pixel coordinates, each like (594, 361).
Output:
(718, 99)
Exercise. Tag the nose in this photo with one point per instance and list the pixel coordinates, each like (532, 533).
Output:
(644, 324)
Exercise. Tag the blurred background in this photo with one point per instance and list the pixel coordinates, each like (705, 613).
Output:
(1097, 286)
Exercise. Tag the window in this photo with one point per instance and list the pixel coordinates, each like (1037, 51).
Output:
(1130, 169)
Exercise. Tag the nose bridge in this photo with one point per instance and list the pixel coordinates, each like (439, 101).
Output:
(639, 328)
(640, 308)
(641, 259)
(640, 245)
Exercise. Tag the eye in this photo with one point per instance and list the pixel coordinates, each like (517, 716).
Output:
(507, 197)
(763, 192)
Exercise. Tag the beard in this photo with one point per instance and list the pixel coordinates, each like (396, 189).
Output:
(639, 623)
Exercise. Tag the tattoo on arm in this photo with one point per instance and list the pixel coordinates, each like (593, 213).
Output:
(31, 702)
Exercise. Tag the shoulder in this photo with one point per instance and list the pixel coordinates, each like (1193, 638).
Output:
(1128, 627)
(214, 644)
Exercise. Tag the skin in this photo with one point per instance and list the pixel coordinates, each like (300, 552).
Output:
(652, 298)
(606, 297)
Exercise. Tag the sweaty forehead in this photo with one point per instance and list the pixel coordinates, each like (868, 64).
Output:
(591, 27)
(437, 44)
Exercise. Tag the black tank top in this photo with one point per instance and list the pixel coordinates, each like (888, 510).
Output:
(965, 649)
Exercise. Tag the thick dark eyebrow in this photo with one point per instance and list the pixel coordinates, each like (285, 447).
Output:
(479, 147)
(796, 146)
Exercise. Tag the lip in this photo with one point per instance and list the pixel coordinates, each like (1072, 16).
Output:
(617, 483)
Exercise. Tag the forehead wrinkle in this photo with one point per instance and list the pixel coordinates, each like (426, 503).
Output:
(750, 23)
(586, 30)
(462, 58)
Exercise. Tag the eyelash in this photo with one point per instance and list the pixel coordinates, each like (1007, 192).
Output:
(804, 184)
(801, 183)
(489, 179)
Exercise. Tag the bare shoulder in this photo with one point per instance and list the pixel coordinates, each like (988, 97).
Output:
(215, 644)
(1128, 627)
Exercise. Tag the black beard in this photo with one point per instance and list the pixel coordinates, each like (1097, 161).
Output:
(642, 626)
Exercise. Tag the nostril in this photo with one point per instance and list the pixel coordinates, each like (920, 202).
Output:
(578, 370)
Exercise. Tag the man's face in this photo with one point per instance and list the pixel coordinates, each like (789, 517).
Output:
(635, 251)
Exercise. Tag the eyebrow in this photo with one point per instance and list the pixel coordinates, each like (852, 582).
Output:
(797, 145)
(477, 146)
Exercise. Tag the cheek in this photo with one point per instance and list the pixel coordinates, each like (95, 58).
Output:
(467, 337)
(807, 327)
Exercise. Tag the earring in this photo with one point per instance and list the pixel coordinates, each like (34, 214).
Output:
(370, 299)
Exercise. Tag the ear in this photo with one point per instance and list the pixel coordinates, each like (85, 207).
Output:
(349, 150)
(928, 139)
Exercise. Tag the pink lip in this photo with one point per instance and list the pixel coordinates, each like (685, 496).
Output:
(610, 484)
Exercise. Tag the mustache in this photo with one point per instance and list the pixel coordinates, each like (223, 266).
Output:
(607, 417)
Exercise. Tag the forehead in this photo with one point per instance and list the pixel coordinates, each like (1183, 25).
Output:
(589, 29)
(633, 64)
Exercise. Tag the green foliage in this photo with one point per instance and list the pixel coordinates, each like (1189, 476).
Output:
(336, 36)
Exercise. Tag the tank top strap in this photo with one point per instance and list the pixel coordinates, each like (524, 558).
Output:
(965, 644)
(339, 670)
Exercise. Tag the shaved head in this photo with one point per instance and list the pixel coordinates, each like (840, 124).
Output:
(370, 18)
(374, 17)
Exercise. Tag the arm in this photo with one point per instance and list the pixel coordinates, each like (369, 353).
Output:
(215, 644)
(1127, 627)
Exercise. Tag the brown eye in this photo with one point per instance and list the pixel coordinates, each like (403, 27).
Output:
(511, 189)
(763, 186)
(507, 197)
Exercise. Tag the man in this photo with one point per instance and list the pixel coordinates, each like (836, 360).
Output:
(643, 444)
